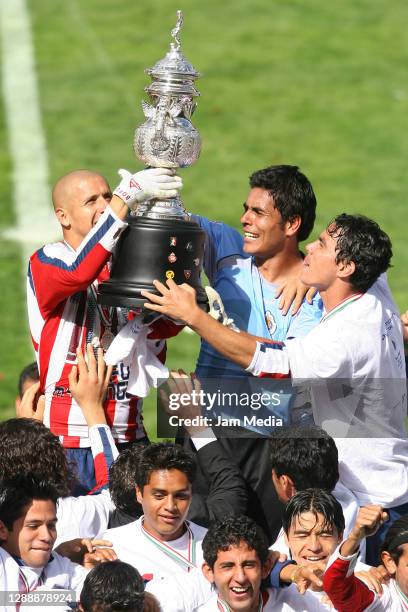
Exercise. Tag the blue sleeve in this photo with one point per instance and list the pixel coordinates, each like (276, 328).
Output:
(274, 577)
(221, 241)
(306, 319)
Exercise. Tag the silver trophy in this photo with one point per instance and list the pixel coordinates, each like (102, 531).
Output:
(168, 139)
(161, 240)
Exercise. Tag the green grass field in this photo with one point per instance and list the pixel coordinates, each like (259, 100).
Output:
(319, 84)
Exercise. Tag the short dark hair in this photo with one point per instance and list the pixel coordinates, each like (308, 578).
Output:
(233, 531)
(28, 446)
(396, 535)
(18, 493)
(308, 455)
(112, 587)
(164, 456)
(292, 194)
(361, 240)
(122, 480)
(316, 501)
(30, 372)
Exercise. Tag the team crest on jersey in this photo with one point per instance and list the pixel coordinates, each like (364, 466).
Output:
(270, 322)
(172, 257)
(173, 241)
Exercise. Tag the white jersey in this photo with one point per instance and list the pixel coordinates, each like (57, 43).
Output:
(59, 573)
(156, 560)
(87, 516)
(354, 363)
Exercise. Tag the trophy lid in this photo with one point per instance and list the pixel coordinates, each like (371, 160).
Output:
(173, 73)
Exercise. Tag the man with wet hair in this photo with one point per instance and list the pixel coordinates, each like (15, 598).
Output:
(303, 458)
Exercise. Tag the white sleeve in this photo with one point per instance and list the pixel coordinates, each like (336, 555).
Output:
(83, 517)
(269, 358)
(181, 592)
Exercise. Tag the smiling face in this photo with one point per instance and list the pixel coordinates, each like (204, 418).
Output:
(310, 540)
(237, 575)
(79, 200)
(265, 232)
(33, 535)
(165, 499)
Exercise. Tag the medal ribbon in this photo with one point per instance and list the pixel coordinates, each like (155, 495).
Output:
(257, 287)
(341, 306)
(403, 598)
(189, 561)
(24, 586)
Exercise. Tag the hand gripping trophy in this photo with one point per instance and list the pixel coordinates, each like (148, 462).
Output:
(161, 240)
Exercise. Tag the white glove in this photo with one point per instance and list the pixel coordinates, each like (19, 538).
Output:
(147, 184)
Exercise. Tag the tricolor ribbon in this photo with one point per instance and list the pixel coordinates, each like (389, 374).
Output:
(341, 306)
(189, 562)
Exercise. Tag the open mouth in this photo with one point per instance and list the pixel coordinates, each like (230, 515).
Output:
(240, 591)
(315, 558)
(250, 236)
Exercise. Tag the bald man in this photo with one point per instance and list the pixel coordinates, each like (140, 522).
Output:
(63, 311)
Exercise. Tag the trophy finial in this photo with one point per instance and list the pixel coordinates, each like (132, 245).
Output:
(176, 30)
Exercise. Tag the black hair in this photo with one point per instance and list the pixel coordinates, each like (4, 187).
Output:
(18, 493)
(28, 446)
(395, 537)
(113, 586)
(233, 531)
(317, 501)
(361, 241)
(308, 455)
(30, 372)
(122, 480)
(292, 194)
(164, 456)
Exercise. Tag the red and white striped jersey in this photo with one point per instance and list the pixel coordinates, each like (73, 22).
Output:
(63, 314)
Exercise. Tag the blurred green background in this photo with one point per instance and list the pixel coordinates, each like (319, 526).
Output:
(319, 84)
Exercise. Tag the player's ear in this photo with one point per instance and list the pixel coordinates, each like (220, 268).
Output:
(388, 562)
(345, 269)
(4, 532)
(293, 226)
(139, 495)
(208, 573)
(63, 217)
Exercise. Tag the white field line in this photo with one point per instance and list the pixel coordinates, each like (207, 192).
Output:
(35, 221)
